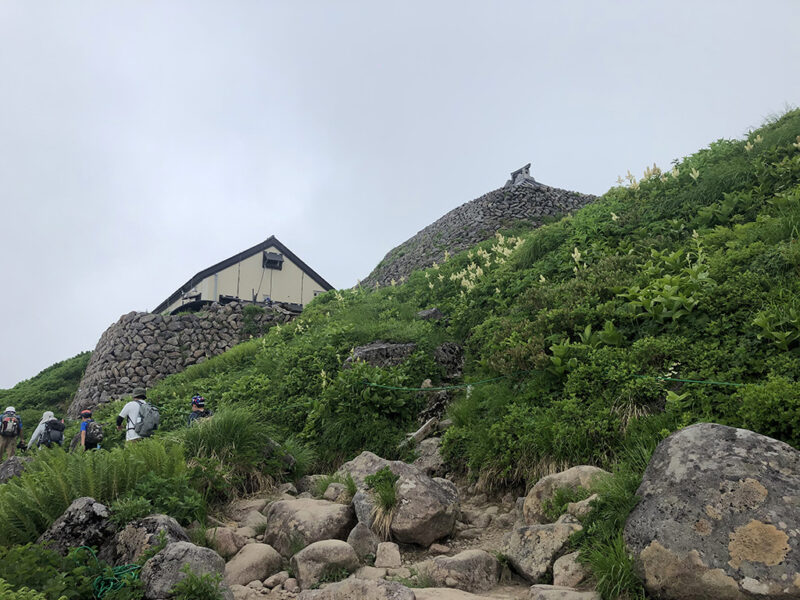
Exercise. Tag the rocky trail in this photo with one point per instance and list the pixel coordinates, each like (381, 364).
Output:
(717, 519)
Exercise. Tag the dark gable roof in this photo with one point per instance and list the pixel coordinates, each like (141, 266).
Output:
(270, 241)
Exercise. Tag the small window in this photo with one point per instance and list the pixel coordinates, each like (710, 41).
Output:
(272, 260)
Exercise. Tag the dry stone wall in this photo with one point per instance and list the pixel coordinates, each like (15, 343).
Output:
(142, 348)
(474, 222)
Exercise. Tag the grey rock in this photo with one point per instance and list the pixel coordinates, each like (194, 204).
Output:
(557, 592)
(718, 516)
(360, 589)
(426, 507)
(160, 574)
(292, 524)
(139, 536)
(277, 579)
(84, 523)
(388, 556)
(380, 354)
(450, 357)
(568, 572)
(313, 562)
(470, 570)
(12, 467)
(308, 483)
(225, 541)
(253, 561)
(363, 541)
(532, 549)
(577, 477)
(335, 492)
(431, 314)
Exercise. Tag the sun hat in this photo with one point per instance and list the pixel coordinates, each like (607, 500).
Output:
(139, 393)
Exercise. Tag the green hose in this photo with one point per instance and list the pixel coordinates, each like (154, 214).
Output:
(111, 578)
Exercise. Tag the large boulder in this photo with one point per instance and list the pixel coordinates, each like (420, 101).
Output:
(470, 570)
(719, 516)
(426, 507)
(84, 523)
(380, 354)
(363, 541)
(360, 589)
(293, 524)
(326, 558)
(577, 477)
(160, 574)
(532, 549)
(253, 561)
(12, 467)
(139, 536)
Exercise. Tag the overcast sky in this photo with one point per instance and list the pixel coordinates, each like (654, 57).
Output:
(141, 142)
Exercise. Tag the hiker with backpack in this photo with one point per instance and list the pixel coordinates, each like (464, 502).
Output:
(91, 431)
(140, 417)
(198, 410)
(10, 433)
(49, 431)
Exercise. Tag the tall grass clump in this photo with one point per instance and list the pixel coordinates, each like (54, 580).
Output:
(384, 492)
(236, 446)
(31, 502)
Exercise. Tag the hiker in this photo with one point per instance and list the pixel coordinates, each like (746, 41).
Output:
(49, 431)
(198, 410)
(10, 433)
(140, 417)
(91, 431)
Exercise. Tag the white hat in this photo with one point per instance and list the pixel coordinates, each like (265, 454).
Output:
(10, 409)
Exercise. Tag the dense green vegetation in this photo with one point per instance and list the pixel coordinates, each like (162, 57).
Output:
(690, 273)
(579, 339)
(52, 389)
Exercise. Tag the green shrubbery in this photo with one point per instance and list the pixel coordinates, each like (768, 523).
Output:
(198, 587)
(54, 577)
(31, 502)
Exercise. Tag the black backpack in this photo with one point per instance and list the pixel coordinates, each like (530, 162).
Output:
(94, 434)
(53, 433)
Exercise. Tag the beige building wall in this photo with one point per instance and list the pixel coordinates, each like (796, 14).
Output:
(290, 284)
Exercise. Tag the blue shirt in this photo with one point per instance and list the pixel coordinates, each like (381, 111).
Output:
(85, 425)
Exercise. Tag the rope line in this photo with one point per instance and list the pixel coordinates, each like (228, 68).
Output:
(111, 578)
(689, 380)
(433, 389)
(482, 381)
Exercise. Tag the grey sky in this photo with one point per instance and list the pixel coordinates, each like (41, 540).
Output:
(141, 142)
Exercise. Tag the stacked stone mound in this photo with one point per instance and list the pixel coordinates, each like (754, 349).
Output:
(474, 222)
(142, 348)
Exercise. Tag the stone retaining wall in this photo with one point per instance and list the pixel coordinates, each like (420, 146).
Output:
(474, 222)
(142, 348)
